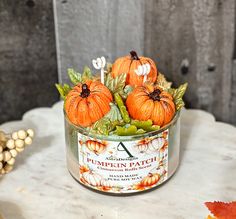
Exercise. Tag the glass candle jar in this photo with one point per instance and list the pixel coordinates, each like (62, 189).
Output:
(123, 164)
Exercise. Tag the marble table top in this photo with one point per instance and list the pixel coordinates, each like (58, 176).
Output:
(41, 187)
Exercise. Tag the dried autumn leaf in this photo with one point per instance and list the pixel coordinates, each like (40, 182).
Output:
(222, 210)
(109, 67)
(115, 85)
(162, 82)
(178, 94)
(210, 217)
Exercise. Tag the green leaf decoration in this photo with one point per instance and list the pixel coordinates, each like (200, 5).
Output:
(114, 113)
(115, 85)
(74, 76)
(127, 131)
(123, 131)
(162, 82)
(104, 126)
(145, 125)
(140, 131)
(63, 90)
(87, 74)
(178, 94)
(122, 108)
(126, 91)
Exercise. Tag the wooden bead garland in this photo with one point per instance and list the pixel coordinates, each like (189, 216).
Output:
(11, 145)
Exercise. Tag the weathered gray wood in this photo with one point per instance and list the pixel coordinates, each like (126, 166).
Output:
(233, 94)
(27, 57)
(88, 29)
(200, 32)
(233, 82)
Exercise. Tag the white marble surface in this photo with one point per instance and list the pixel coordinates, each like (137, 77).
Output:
(41, 187)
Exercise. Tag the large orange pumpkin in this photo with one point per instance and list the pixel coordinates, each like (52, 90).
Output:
(86, 103)
(151, 102)
(128, 65)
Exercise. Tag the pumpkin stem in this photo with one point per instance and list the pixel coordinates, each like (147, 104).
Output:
(155, 95)
(134, 55)
(85, 91)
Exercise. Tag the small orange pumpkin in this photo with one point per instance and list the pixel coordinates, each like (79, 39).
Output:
(86, 103)
(151, 102)
(150, 180)
(95, 146)
(128, 65)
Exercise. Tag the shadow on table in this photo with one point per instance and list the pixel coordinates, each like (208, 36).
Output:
(9, 210)
(187, 124)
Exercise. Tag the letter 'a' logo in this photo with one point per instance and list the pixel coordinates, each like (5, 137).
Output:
(121, 147)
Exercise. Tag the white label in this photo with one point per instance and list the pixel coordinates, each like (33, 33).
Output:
(123, 167)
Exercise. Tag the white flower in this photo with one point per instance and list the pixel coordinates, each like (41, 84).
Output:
(99, 63)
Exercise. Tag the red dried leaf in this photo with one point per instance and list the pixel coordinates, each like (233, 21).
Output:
(210, 217)
(222, 210)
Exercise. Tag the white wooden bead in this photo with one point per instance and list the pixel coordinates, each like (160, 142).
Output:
(1, 165)
(19, 143)
(19, 149)
(28, 141)
(6, 156)
(13, 152)
(22, 134)
(1, 149)
(1, 156)
(10, 144)
(11, 161)
(8, 168)
(2, 136)
(3, 144)
(30, 132)
(14, 135)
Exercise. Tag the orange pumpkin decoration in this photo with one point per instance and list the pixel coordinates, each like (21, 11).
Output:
(95, 146)
(128, 65)
(92, 178)
(151, 102)
(150, 180)
(86, 103)
(83, 169)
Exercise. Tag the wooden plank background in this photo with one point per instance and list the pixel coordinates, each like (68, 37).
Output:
(28, 67)
(191, 40)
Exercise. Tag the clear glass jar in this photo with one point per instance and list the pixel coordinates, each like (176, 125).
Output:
(123, 164)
